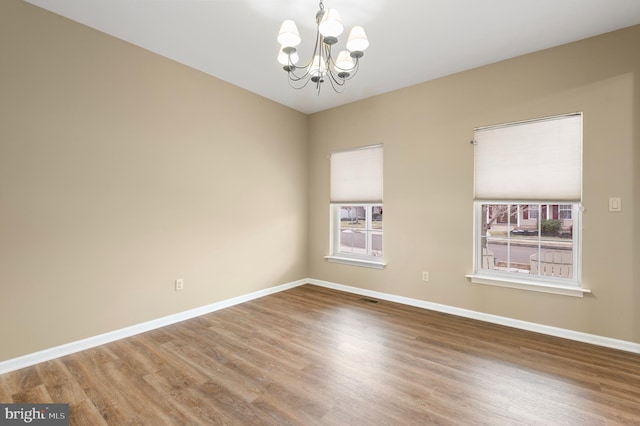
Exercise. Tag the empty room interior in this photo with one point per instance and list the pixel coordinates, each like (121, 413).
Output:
(181, 247)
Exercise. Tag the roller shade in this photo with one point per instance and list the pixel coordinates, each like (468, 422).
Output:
(356, 175)
(533, 160)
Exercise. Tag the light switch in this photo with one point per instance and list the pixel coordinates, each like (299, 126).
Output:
(615, 205)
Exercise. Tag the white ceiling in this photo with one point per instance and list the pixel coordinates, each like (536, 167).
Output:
(412, 41)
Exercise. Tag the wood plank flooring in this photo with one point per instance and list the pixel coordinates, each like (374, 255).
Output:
(315, 356)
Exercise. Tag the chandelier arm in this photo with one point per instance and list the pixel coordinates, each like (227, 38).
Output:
(294, 77)
(293, 67)
(336, 80)
(305, 82)
(326, 50)
(336, 85)
(340, 80)
(353, 71)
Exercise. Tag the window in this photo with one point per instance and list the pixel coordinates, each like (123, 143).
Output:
(528, 189)
(542, 249)
(356, 207)
(532, 211)
(360, 230)
(565, 211)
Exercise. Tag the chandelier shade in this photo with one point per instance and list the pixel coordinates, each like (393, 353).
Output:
(289, 35)
(344, 62)
(358, 40)
(323, 65)
(331, 25)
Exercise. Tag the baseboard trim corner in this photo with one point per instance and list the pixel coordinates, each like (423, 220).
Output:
(495, 319)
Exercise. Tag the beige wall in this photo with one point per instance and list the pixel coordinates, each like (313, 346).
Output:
(121, 171)
(428, 180)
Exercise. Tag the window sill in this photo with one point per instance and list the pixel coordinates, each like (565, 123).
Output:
(356, 262)
(523, 285)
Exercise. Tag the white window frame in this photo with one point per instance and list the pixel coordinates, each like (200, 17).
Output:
(366, 260)
(505, 278)
(502, 276)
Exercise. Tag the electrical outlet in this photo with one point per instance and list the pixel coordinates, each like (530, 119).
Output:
(425, 276)
(179, 284)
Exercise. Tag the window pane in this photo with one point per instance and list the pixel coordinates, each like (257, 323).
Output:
(346, 241)
(359, 242)
(513, 241)
(360, 229)
(352, 217)
(376, 244)
(553, 261)
(376, 217)
(353, 224)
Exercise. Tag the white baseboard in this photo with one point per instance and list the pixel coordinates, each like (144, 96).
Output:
(101, 339)
(495, 319)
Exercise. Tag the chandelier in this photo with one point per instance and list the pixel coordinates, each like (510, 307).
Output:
(322, 65)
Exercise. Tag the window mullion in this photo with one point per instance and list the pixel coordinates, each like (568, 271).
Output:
(368, 227)
(508, 237)
(539, 256)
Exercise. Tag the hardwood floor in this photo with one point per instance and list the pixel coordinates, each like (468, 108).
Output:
(311, 355)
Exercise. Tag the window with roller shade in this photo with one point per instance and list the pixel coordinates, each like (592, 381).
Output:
(356, 206)
(527, 201)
